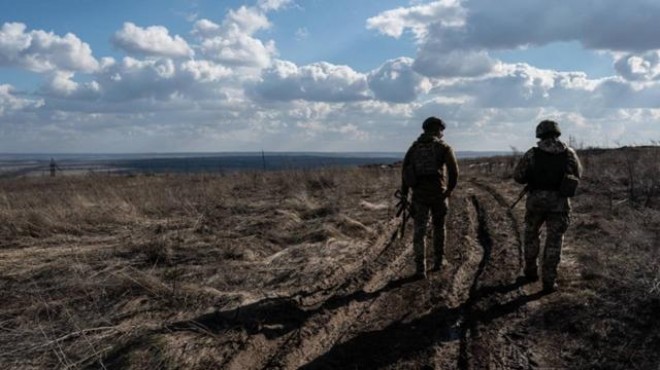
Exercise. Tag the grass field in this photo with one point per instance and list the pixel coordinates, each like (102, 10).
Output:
(292, 269)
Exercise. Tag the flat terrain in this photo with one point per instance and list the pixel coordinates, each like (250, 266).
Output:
(307, 270)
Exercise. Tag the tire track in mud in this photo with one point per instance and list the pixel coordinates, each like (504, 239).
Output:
(505, 204)
(469, 327)
(497, 298)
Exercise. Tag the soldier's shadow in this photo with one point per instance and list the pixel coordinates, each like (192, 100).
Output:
(404, 340)
(275, 317)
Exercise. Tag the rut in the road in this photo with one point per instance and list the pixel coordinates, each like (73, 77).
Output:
(497, 299)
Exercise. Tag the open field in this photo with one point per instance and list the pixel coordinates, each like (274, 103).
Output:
(301, 269)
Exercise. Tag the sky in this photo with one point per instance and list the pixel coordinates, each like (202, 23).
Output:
(84, 76)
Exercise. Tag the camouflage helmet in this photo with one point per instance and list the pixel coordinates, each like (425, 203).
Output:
(547, 128)
(433, 123)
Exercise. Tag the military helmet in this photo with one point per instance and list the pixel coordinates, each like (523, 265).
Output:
(433, 123)
(547, 128)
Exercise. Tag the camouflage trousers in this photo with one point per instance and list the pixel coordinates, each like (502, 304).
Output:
(438, 212)
(556, 224)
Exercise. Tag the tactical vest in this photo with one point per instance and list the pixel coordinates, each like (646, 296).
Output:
(549, 169)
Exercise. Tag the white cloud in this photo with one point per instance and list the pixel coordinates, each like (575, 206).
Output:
(41, 51)
(245, 20)
(639, 67)
(151, 41)
(233, 43)
(448, 13)
(524, 86)
(206, 28)
(10, 102)
(324, 82)
(62, 85)
(240, 50)
(396, 81)
(163, 80)
(267, 5)
(147, 85)
(205, 71)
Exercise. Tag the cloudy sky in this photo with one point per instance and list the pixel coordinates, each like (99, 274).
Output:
(323, 75)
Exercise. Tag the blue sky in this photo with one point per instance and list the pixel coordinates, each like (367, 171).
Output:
(202, 75)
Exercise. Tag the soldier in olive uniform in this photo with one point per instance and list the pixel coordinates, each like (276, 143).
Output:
(424, 172)
(543, 169)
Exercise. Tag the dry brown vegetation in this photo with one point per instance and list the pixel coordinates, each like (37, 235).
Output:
(298, 269)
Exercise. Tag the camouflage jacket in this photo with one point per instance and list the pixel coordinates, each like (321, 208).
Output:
(434, 186)
(547, 200)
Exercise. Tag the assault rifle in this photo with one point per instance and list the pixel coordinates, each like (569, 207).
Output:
(520, 196)
(403, 211)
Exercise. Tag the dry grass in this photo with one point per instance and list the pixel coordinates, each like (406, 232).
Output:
(87, 261)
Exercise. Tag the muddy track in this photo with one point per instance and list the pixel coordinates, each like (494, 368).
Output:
(378, 317)
(498, 297)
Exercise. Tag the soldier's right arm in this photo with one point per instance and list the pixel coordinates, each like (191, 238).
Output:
(575, 167)
(520, 174)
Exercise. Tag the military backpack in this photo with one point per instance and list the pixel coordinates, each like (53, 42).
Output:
(551, 172)
(423, 162)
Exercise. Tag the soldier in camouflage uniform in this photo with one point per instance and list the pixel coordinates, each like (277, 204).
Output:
(542, 168)
(424, 172)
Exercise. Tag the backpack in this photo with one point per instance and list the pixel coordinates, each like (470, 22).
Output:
(551, 172)
(422, 161)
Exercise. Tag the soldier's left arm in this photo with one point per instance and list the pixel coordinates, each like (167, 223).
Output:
(522, 168)
(452, 171)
